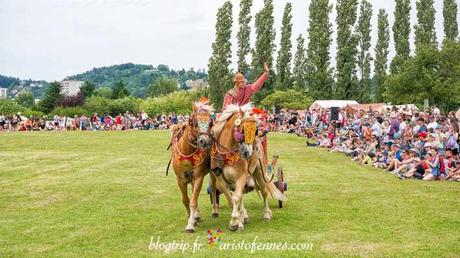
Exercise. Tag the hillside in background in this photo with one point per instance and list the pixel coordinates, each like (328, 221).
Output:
(136, 77)
(16, 86)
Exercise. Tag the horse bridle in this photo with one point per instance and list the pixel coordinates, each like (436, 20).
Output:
(193, 136)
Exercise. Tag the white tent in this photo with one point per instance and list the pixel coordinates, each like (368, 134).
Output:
(332, 103)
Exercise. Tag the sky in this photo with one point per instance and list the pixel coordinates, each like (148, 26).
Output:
(52, 39)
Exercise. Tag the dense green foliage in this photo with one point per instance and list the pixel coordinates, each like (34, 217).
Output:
(179, 102)
(346, 49)
(87, 89)
(219, 71)
(52, 96)
(401, 32)
(318, 63)
(425, 33)
(162, 86)
(449, 12)
(243, 36)
(290, 99)
(264, 49)
(283, 62)
(299, 71)
(364, 57)
(381, 54)
(119, 90)
(26, 99)
(10, 107)
(105, 92)
(6, 81)
(432, 74)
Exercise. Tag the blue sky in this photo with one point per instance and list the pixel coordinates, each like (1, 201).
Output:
(50, 39)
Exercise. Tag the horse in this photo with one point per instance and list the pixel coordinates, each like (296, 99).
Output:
(236, 159)
(190, 144)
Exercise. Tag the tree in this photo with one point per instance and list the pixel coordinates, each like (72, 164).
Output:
(290, 99)
(218, 67)
(401, 32)
(264, 48)
(346, 49)
(449, 12)
(431, 74)
(364, 56)
(162, 86)
(87, 89)
(26, 99)
(119, 90)
(71, 101)
(52, 96)
(425, 33)
(283, 63)
(381, 54)
(10, 107)
(299, 83)
(318, 64)
(105, 92)
(244, 47)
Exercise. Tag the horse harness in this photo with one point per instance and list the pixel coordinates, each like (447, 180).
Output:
(190, 161)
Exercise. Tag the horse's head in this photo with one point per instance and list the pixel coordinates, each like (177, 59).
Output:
(244, 133)
(201, 123)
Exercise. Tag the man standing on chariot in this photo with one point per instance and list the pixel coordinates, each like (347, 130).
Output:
(242, 92)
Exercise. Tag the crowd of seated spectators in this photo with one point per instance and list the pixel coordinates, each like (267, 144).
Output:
(408, 143)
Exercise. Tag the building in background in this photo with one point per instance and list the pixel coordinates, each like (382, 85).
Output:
(71, 88)
(196, 85)
(3, 93)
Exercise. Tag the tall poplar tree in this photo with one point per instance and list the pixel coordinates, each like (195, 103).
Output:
(425, 33)
(364, 56)
(299, 65)
(243, 36)
(401, 32)
(449, 11)
(381, 55)
(283, 62)
(319, 71)
(218, 67)
(346, 49)
(264, 48)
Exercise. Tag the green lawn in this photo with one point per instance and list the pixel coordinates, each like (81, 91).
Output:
(92, 194)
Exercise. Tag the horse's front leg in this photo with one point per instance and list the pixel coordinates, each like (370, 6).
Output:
(183, 188)
(192, 221)
(236, 223)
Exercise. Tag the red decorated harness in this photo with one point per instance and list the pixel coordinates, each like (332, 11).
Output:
(191, 161)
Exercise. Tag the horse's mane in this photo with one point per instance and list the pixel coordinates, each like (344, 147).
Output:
(232, 109)
(227, 113)
(203, 106)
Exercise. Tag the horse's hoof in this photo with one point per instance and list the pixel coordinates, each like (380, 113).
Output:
(267, 219)
(197, 220)
(246, 220)
(189, 230)
(233, 227)
(215, 215)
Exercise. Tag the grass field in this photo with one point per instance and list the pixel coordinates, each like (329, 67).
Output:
(93, 194)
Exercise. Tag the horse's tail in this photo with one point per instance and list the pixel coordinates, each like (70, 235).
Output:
(261, 177)
(275, 192)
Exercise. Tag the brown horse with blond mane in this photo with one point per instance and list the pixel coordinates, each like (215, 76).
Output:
(190, 157)
(236, 159)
